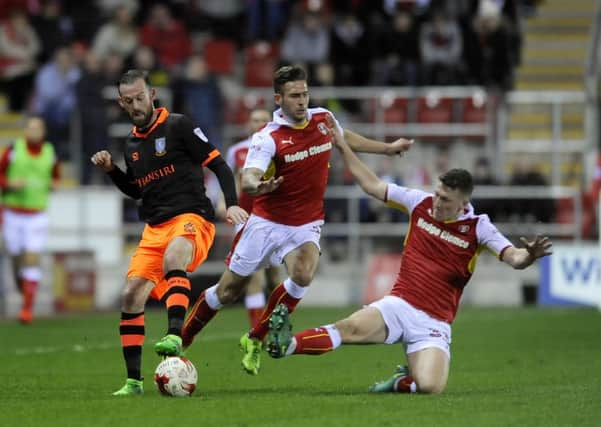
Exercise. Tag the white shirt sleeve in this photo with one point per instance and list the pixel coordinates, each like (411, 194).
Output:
(403, 198)
(229, 158)
(260, 152)
(490, 237)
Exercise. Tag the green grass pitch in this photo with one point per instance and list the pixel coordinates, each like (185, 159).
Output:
(510, 367)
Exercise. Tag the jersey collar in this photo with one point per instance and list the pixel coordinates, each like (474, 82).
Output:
(280, 118)
(161, 117)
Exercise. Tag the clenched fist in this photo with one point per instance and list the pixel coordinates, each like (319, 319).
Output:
(103, 160)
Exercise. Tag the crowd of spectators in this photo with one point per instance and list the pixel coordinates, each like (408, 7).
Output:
(56, 56)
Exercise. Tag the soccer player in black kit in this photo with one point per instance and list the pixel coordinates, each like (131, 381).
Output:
(164, 154)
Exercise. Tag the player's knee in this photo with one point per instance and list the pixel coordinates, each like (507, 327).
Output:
(174, 260)
(130, 298)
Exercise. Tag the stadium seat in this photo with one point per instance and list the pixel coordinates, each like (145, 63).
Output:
(474, 108)
(397, 111)
(220, 55)
(238, 109)
(434, 109)
(260, 61)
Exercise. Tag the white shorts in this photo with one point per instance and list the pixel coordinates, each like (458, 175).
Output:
(264, 243)
(414, 328)
(25, 232)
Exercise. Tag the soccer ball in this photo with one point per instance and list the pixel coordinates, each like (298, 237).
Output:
(176, 376)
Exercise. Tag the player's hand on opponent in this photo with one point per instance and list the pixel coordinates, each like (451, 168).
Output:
(539, 247)
(268, 185)
(337, 136)
(398, 147)
(103, 160)
(236, 215)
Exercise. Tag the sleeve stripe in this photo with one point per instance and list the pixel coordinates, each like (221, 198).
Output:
(211, 156)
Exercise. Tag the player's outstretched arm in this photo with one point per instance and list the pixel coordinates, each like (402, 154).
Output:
(104, 161)
(366, 179)
(253, 184)
(520, 258)
(361, 144)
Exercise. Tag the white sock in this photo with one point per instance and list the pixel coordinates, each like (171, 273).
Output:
(334, 335)
(293, 289)
(212, 299)
(254, 300)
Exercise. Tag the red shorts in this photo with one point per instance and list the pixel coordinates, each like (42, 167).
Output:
(147, 260)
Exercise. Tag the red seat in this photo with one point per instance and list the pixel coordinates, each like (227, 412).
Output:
(238, 109)
(261, 60)
(220, 55)
(434, 109)
(475, 108)
(397, 111)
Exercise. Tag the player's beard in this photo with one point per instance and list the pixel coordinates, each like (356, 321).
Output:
(141, 118)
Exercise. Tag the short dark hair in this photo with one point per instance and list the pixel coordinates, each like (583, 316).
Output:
(131, 76)
(287, 73)
(458, 179)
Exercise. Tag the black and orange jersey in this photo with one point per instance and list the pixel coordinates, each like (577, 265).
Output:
(164, 168)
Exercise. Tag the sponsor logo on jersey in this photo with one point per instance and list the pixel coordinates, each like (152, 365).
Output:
(312, 151)
(464, 228)
(159, 146)
(155, 175)
(322, 128)
(442, 234)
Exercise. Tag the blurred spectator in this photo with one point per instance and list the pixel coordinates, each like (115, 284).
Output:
(488, 50)
(145, 59)
(441, 46)
(55, 97)
(483, 175)
(19, 47)
(118, 35)
(375, 211)
(108, 7)
(350, 52)
(529, 210)
(167, 36)
(224, 18)
(198, 95)
(399, 52)
(86, 18)
(267, 19)
(307, 42)
(53, 28)
(93, 116)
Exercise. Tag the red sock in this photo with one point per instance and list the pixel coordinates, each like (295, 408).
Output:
(199, 316)
(254, 316)
(403, 385)
(29, 288)
(278, 296)
(313, 341)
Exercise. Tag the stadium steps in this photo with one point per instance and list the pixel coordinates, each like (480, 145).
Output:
(555, 50)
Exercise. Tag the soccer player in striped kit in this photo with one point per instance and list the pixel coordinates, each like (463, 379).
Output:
(444, 240)
(164, 154)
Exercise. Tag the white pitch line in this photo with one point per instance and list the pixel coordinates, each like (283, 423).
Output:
(82, 348)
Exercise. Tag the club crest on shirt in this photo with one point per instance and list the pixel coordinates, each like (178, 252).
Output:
(322, 128)
(159, 147)
(189, 228)
(464, 228)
